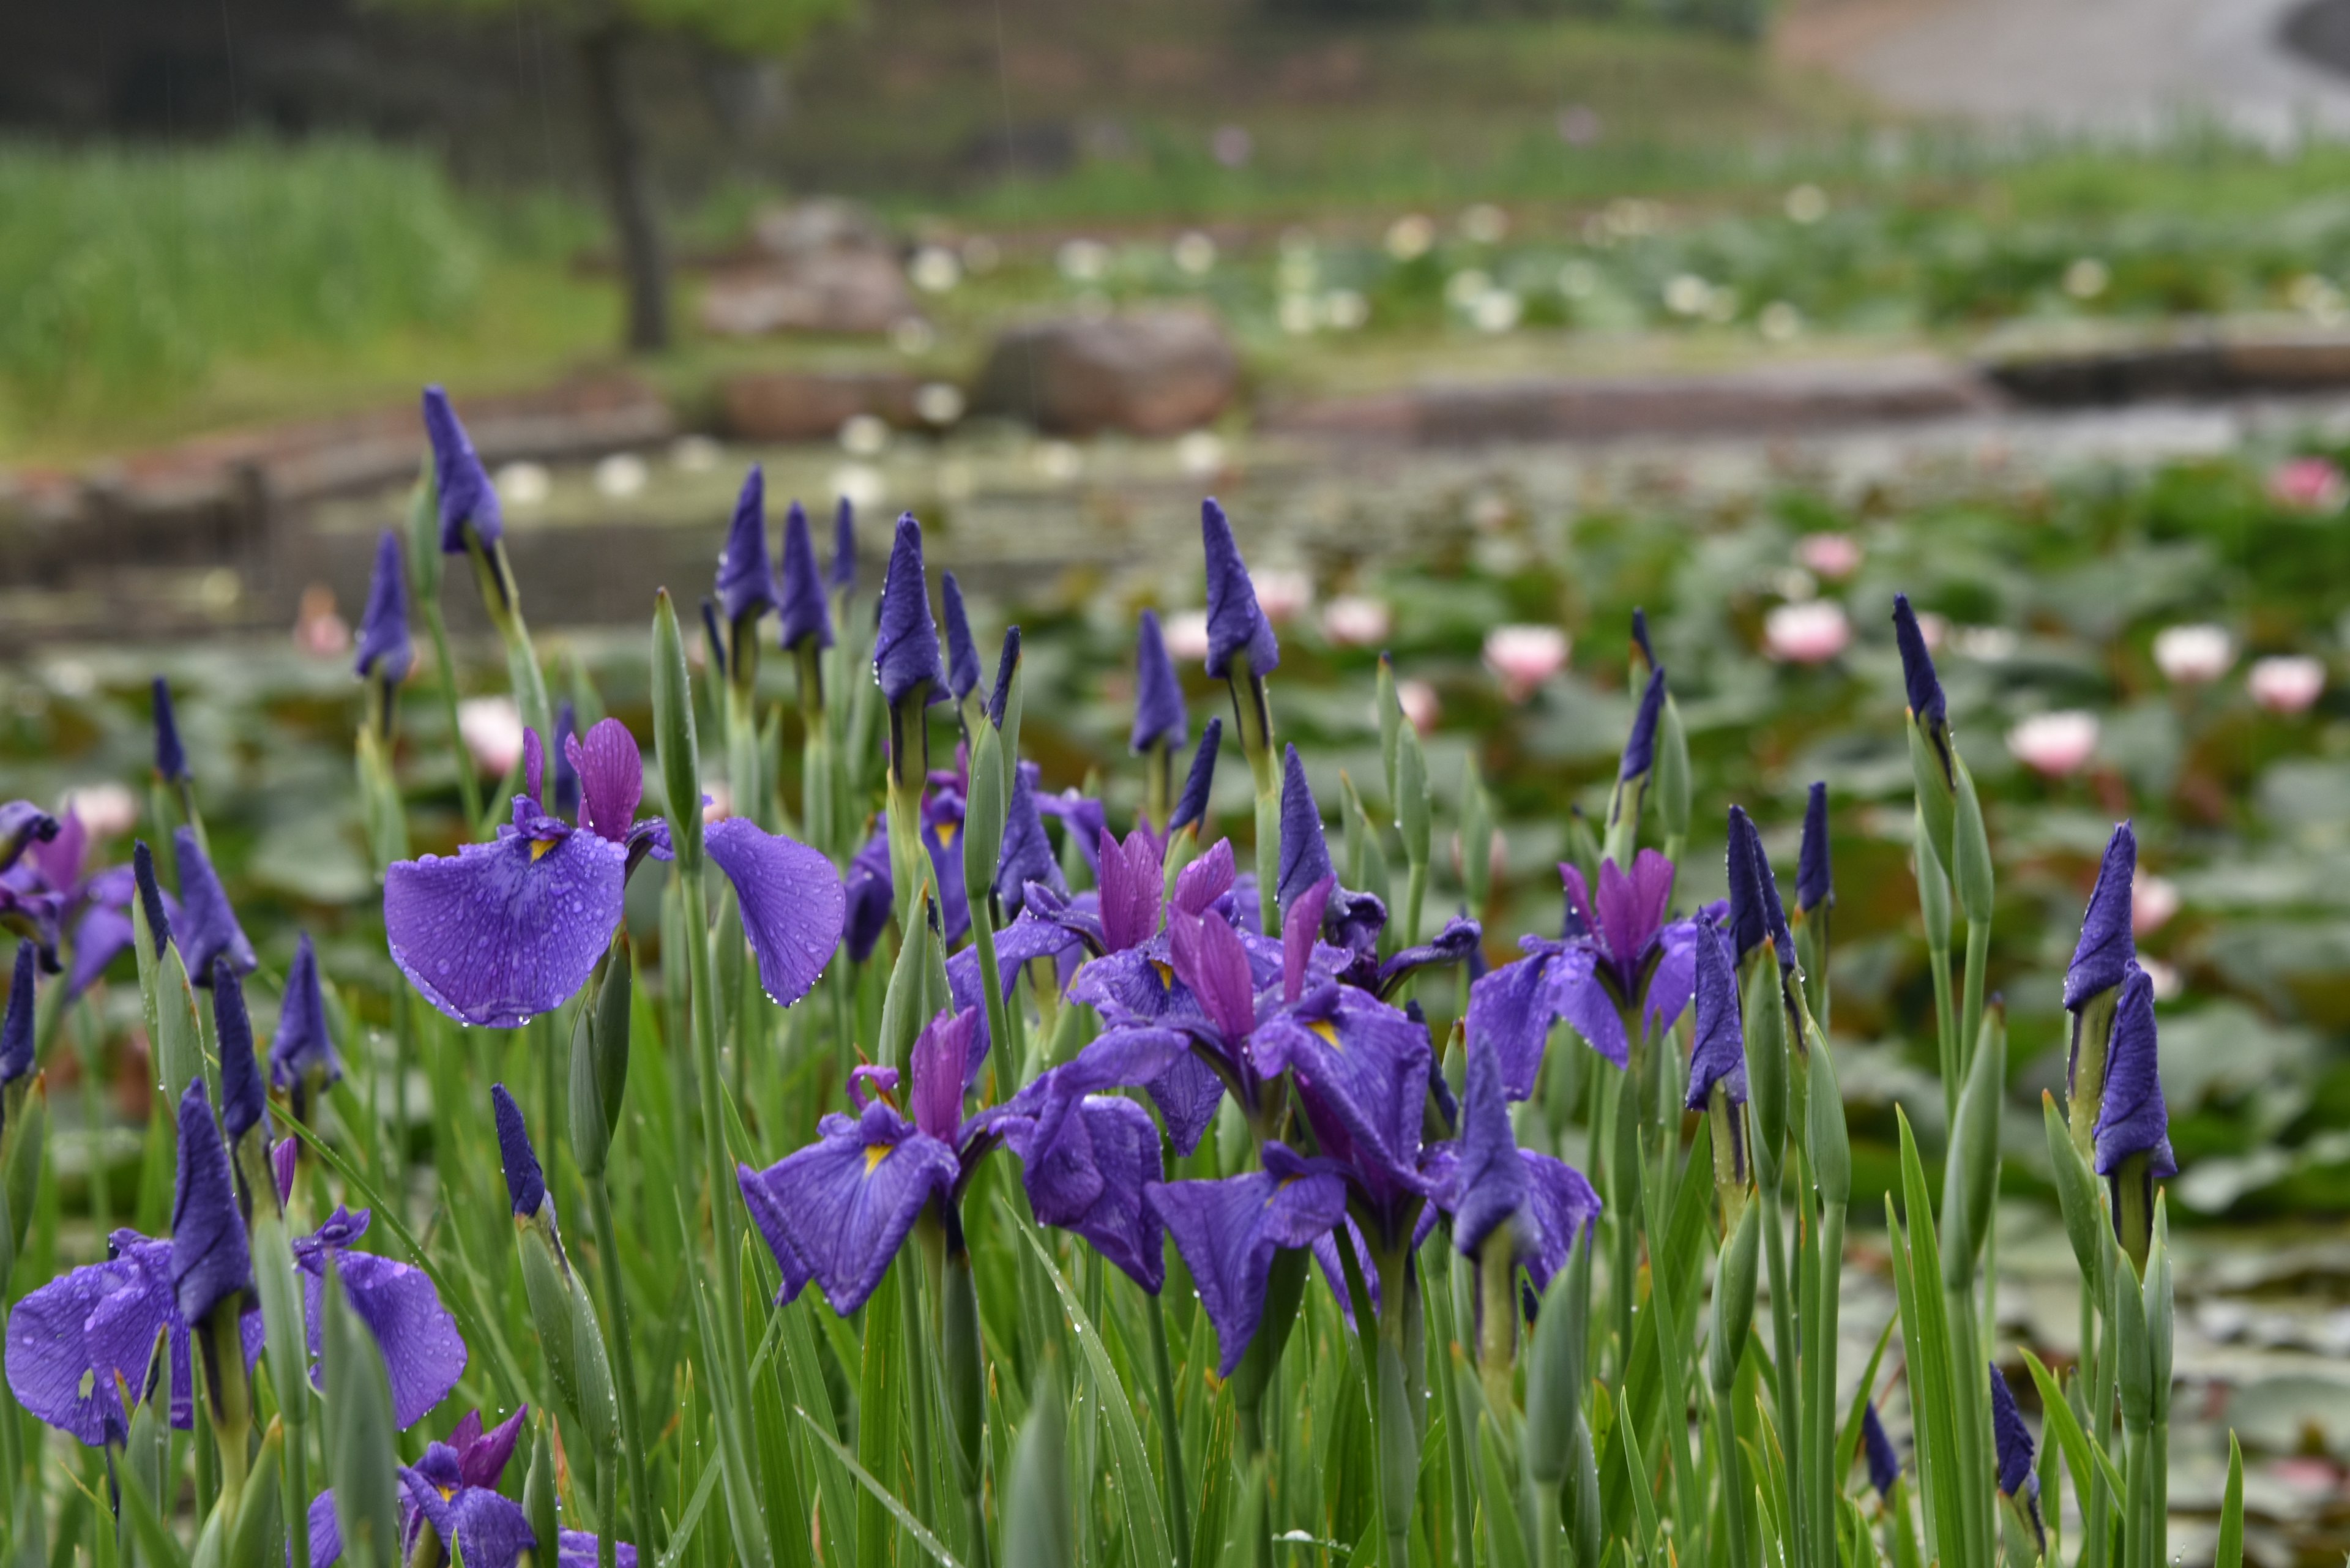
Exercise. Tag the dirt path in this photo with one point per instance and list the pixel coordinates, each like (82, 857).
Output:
(2128, 66)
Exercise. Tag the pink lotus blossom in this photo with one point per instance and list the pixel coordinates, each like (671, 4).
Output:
(1811, 632)
(1281, 594)
(1418, 700)
(1353, 621)
(2055, 746)
(1186, 632)
(2286, 683)
(491, 728)
(2193, 655)
(1834, 556)
(107, 810)
(1524, 657)
(2153, 900)
(2312, 485)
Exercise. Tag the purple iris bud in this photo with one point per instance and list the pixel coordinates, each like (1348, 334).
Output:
(208, 928)
(867, 894)
(962, 654)
(1720, 1054)
(1755, 909)
(792, 903)
(2012, 1440)
(746, 578)
(2106, 951)
(2131, 1116)
(285, 1159)
(1884, 1464)
(1006, 661)
(842, 576)
(171, 757)
(1640, 637)
(1192, 805)
(837, 1211)
(1158, 714)
(805, 613)
(245, 1104)
(468, 498)
(385, 651)
(151, 895)
(1235, 623)
(1922, 687)
(1305, 852)
(1228, 1231)
(1815, 885)
(1133, 882)
(424, 1354)
(22, 826)
(713, 636)
(212, 1260)
(906, 647)
(1491, 1181)
(1640, 750)
(16, 1034)
(525, 1183)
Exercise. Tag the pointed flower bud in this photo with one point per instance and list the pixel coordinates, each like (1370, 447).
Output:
(209, 929)
(1192, 805)
(1640, 644)
(1158, 713)
(1814, 885)
(2131, 1116)
(1304, 852)
(906, 649)
(468, 498)
(2012, 1440)
(386, 653)
(842, 576)
(2105, 950)
(962, 654)
(1007, 662)
(171, 757)
(245, 1105)
(1720, 1054)
(1928, 709)
(526, 1184)
(212, 1260)
(302, 1045)
(151, 895)
(746, 578)
(1884, 1464)
(1235, 623)
(805, 613)
(1640, 750)
(1755, 909)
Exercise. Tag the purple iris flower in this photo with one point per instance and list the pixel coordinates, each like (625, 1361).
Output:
(385, 651)
(1192, 807)
(502, 931)
(1492, 1182)
(868, 893)
(1352, 921)
(1815, 883)
(1923, 688)
(422, 1352)
(1089, 1178)
(842, 576)
(1620, 957)
(303, 1047)
(746, 578)
(208, 929)
(245, 1104)
(212, 1260)
(962, 654)
(1229, 1230)
(837, 1211)
(1082, 819)
(1027, 854)
(2106, 949)
(1461, 941)
(1235, 623)
(170, 756)
(16, 1034)
(50, 880)
(1884, 1464)
(1158, 713)
(1719, 1054)
(2012, 1440)
(2131, 1116)
(805, 613)
(906, 647)
(468, 500)
(22, 826)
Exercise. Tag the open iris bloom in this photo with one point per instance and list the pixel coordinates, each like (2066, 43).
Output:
(47, 891)
(449, 1500)
(503, 932)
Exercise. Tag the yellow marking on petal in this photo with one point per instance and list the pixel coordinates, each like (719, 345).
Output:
(946, 832)
(1329, 1033)
(875, 1153)
(540, 847)
(1166, 971)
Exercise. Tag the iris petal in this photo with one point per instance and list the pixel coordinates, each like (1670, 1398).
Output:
(500, 932)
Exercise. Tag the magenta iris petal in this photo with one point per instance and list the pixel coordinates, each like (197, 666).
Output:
(1228, 1231)
(611, 778)
(2107, 948)
(938, 1064)
(1300, 927)
(1206, 879)
(844, 1202)
(209, 929)
(500, 932)
(1209, 959)
(481, 1455)
(793, 906)
(1133, 883)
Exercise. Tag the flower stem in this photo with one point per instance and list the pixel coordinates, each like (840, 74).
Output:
(1170, 1430)
(469, 788)
(642, 1517)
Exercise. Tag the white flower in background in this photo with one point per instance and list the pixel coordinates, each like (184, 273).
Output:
(1282, 593)
(1083, 261)
(1410, 236)
(1346, 309)
(2193, 655)
(1688, 294)
(864, 435)
(1779, 322)
(2153, 900)
(1298, 315)
(939, 402)
(491, 728)
(1985, 644)
(1355, 620)
(1496, 310)
(1812, 633)
(1835, 557)
(1059, 461)
(859, 483)
(1806, 203)
(1484, 224)
(934, 269)
(1186, 632)
(2286, 683)
(695, 454)
(2088, 278)
(1200, 455)
(1464, 288)
(620, 476)
(1194, 254)
(524, 484)
(2055, 746)
(1523, 656)
(106, 810)
(1418, 700)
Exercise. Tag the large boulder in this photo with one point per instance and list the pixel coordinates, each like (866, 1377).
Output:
(819, 266)
(1147, 372)
(812, 405)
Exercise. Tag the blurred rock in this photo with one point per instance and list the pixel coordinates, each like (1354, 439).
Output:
(1149, 372)
(794, 405)
(824, 265)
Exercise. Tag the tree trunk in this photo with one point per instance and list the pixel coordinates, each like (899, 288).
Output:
(618, 142)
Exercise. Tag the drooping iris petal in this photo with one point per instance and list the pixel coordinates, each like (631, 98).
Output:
(2107, 948)
(170, 756)
(746, 578)
(963, 653)
(905, 647)
(212, 1259)
(303, 1045)
(1361, 1069)
(16, 1034)
(385, 651)
(804, 612)
(500, 932)
(245, 1104)
(1884, 1464)
(2010, 1439)
(468, 498)
(793, 905)
(1132, 885)
(208, 929)
(1199, 885)
(1192, 805)
(1091, 1182)
(768, 1212)
(120, 1333)
(1158, 714)
(1236, 625)
(51, 1367)
(1228, 1230)
(424, 1354)
(1640, 750)
(1489, 1183)
(1564, 1207)
(1301, 926)
(844, 1202)
(1514, 1006)
(1719, 1054)
(867, 894)
(2132, 1117)
(1815, 883)
(22, 826)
